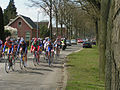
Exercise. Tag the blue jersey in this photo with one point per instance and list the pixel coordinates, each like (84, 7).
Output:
(23, 46)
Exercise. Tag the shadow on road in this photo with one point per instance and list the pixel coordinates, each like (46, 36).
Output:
(28, 72)
(53, 66)
(41, 69)
(2, 60)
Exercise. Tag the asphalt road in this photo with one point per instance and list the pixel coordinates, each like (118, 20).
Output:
(41, 77)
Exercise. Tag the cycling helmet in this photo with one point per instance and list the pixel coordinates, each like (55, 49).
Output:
(18, 38)
(22, 40)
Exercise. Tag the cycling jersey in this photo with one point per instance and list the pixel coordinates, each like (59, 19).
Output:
(45, 45)
(15, 47)
(49, 47)
(9, 45)
(35, 46)
(23, 46)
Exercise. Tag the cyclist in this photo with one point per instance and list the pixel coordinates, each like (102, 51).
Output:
(49, 48)
(57, 45)
(22, 47)
(1, 45)
(8, 44)
(40, 45)
(45, 42)
(35, 47)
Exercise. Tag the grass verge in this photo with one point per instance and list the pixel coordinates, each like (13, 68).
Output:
(83, 70)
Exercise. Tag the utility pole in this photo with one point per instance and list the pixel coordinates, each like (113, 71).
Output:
(37, 22)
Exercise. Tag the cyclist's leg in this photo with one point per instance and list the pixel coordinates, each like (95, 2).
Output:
(10, 58)
(58, 50)
(38, 52)
(49, 58)
(25, 55)
(21, 57)
(25, 60)
(38, 57)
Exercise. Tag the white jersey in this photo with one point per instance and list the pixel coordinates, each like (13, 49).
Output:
(45, 45)
(44, 41)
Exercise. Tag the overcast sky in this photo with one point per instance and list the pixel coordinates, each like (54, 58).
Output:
(23, 9)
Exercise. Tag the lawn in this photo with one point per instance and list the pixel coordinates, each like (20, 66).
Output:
(83, 70)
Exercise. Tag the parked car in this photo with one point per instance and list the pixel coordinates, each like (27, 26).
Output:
(74, 41)
(80, 41)
(68, 42)
(87, 44)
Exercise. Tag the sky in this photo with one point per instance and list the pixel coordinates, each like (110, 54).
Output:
(24, 9)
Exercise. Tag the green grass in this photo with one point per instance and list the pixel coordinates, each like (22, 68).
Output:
(83, 70)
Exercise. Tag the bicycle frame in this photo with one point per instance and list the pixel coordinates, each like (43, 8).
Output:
(8, 63)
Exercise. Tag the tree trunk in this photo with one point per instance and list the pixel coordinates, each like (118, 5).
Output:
(1, 25)
(105, 5)
(51, 19)
(57, 22)
(84, 33)
(67, 34)
(97, 33)
(113, 48)
(61, 30)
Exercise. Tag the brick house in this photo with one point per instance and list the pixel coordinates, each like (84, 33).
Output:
(25, 26)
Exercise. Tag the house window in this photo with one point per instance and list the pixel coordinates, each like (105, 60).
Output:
(27, 36)
(19, 23)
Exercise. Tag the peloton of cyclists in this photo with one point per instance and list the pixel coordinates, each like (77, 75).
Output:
(20, 46)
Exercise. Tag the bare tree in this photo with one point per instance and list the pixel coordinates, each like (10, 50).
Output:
(47, 6)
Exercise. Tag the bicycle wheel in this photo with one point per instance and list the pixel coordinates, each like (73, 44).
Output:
(56, 56)
(7, 65)
(49, 61)
(13, 64)
(37, 61)
(46, 56)
(52, 57)
(34, 60)
(22, 63)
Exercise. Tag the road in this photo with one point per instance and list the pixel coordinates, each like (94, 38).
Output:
(40, 77)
